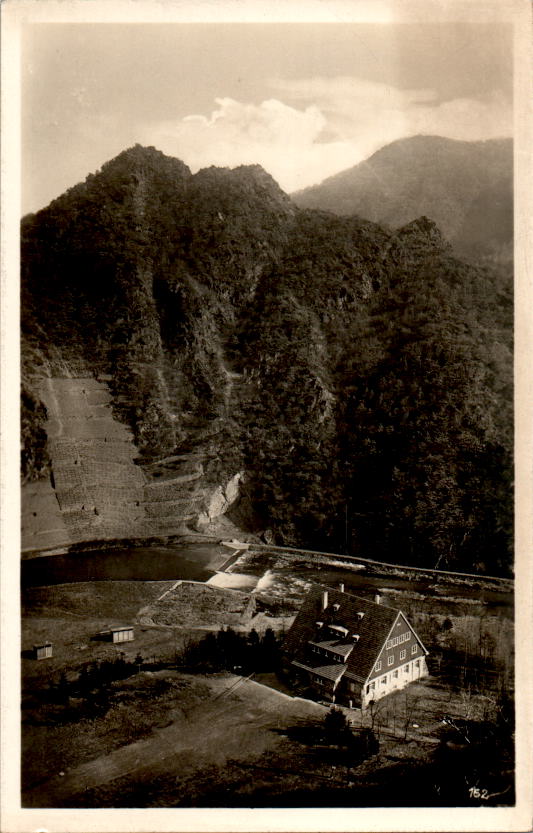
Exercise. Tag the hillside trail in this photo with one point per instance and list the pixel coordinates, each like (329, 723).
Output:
(55, 429)
(231, 378)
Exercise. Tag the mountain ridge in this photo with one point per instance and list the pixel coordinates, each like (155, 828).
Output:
(351, 382)
(466, 187)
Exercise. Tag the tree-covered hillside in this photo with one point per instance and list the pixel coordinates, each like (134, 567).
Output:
(361, 378)
(465, 187)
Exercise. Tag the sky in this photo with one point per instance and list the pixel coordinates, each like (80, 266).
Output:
(305, 101)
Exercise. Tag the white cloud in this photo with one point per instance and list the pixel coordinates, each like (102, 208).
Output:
(282, 139)
(467, 119)
(322, 126)
(370, 113)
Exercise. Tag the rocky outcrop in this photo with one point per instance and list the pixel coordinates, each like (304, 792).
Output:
(220, 500)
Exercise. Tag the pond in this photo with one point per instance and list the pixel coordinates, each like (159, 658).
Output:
(195, 562)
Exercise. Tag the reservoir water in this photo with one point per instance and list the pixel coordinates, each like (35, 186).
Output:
(196, 562)
(199, 562)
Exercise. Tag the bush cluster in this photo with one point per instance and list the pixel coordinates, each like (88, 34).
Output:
(232, 651)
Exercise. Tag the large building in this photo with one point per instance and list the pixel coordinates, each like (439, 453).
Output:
(351, 650)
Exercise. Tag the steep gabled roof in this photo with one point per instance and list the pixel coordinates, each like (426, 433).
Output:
(343, 609)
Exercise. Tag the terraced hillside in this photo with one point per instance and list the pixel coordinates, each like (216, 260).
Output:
(97, 489)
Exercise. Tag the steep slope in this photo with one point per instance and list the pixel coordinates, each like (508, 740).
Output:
(134, 278)
(338, 383)
(465, 187)
(382, 417)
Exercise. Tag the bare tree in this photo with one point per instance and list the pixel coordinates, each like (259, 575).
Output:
(377, 709)
(466, 703)
(411, 702)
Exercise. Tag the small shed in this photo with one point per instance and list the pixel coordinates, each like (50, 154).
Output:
(43, 651)
(117, 634)
(125, 634)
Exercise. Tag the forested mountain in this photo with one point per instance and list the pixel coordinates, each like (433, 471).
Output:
(465, 187)
(360, 379)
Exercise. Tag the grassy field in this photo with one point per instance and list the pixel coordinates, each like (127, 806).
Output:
(192, 723)
(70, 615)
(174, 740)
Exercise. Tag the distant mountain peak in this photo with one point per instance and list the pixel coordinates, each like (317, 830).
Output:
(466, 187)
(241, 173)
(240, 184)
(141, 155)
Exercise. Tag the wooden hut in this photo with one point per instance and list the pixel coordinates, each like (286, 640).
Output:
(44, 651)
(124, 634)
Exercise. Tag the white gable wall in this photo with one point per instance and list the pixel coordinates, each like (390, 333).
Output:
(401, 661)
(393, 680)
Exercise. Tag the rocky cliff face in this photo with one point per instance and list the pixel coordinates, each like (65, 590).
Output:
(197, 345)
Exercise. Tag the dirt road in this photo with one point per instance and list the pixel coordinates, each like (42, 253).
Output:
(238, 721)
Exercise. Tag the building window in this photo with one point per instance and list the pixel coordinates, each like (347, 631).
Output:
(403, 654)
(377, 666)
(417, 663)
(384, 680)
(406, 668)
(395, 674)
(397, 640)
(390, 660)
(414, 649)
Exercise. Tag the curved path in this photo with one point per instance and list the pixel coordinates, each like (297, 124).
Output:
(239, 721)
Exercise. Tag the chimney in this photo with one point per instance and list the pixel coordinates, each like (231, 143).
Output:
(377, 598)
(341, 587)
(324, 599)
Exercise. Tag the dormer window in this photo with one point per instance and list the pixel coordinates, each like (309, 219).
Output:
(356, 637)
(336, 607)
(339, 629)
(360, 614)
(320, 624)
